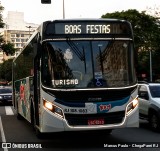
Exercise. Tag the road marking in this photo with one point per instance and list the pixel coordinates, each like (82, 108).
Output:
(9, 110)
(2, 134)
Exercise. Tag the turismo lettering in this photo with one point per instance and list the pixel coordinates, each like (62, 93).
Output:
(88, 29)
(65, 82)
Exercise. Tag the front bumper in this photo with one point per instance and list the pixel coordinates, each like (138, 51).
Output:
(52, 123)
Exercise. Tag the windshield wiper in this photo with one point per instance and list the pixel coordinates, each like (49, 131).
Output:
(101, 59)
(76, 49)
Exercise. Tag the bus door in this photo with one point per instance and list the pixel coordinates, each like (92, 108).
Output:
(36, 89)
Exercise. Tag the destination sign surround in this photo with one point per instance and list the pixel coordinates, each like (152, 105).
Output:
(89, 28)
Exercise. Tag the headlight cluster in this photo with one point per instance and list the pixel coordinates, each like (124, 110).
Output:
(53, 108)
(132, 105)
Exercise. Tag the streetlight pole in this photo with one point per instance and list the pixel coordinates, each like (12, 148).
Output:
(150, 56)
(63, 10)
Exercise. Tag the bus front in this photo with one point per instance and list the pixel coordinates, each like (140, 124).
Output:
(88, 76)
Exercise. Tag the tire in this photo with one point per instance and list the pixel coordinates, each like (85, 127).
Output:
(33, 123)
(108, 131)
(38, 133)
(19, 117)
(154, 122)
(32, 116)
(105, 132)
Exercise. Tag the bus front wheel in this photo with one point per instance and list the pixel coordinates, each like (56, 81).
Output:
(38, 133)
(33, 123)
(19, 116)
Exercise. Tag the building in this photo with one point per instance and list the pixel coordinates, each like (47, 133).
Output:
(16, 31)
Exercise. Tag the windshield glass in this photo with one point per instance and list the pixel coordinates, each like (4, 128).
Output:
(87, 64)
(5, 90)
(155, 90)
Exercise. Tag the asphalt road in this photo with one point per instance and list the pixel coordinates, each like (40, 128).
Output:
(15, 132)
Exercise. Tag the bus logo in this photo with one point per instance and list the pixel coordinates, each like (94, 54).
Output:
(105, 107)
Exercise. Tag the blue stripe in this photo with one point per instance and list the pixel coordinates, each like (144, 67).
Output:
(70, 104)
(112, 103)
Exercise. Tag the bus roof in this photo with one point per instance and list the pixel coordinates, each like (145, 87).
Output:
(89, 19)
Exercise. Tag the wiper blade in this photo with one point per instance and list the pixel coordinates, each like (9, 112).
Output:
(76, 50)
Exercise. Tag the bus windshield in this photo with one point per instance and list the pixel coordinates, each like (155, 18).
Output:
(68, 64)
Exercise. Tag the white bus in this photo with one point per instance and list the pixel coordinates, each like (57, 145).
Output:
(76, 75)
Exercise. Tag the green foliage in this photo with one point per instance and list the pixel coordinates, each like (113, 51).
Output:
(6, 70)
(146, 30)
(1, 18)
(145, 27)
(8, 48)
(1, 22)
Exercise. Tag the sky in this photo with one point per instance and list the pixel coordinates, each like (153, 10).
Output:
(35, 12)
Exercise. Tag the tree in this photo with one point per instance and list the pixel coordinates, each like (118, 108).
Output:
(6, 70)
(146, 32)
(1, 18)
(1, 22)
(8, 48)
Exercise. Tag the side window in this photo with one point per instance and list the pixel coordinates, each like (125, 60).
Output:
(142, 92)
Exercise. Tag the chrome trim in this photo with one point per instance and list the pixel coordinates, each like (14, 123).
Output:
(98, 89)
(60, 39)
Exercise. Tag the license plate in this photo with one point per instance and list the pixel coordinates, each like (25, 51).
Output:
(96, 122)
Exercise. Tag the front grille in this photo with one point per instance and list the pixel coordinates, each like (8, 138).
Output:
(8, 97)
(82, 119)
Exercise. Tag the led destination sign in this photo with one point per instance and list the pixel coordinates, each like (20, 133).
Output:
(89, 28)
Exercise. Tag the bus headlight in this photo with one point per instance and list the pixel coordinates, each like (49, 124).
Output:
(132, 105)
(53, 108)
(48, 105)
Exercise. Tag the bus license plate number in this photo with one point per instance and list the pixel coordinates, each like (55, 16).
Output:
(96, 122)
